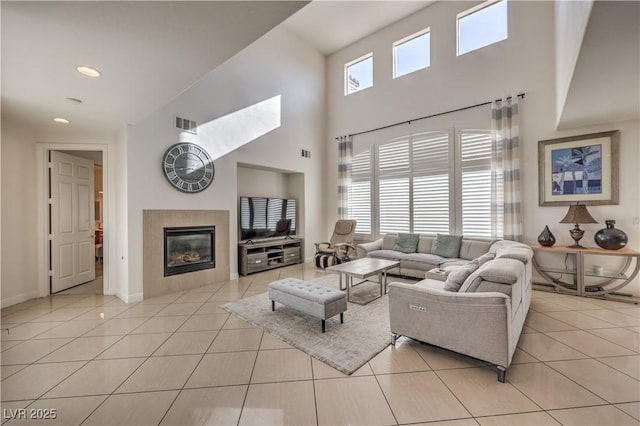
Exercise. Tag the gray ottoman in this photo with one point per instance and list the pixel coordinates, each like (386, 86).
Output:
(304, 296)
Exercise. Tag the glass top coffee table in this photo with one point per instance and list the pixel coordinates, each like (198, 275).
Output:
(363, 269)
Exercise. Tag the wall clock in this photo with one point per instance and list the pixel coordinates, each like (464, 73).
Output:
(188, 167)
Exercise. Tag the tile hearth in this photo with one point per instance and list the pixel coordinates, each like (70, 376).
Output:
(180, 359)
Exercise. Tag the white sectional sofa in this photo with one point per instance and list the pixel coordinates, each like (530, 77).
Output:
(484, 318)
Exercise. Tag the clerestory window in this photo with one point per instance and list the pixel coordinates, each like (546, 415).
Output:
(358, 74)
(482, 25)
(412, 53)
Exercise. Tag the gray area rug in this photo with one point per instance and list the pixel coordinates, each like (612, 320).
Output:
(346, 347)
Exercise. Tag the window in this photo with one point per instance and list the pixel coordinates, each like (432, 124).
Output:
(358, 74)
(393, 181)
(360, 192)
(475, 167)
(482, 25)
(433, 182)
(412, 53)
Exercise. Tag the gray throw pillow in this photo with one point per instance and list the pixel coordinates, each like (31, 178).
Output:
(456, 278)
(406, 243)
(447, 245)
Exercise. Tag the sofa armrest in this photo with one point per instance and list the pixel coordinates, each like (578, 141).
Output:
(473, 324)
(419, 291)
(364, 248)
(512, 250)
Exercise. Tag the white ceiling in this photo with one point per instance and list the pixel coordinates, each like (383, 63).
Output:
(605, 86)
(331, 25)
(148, 52)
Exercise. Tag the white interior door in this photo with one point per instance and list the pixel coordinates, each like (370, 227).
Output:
(71, 218)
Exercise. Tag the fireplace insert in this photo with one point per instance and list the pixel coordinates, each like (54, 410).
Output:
(188, 249)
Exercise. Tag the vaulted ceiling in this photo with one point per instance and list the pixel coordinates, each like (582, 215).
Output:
(148, 52)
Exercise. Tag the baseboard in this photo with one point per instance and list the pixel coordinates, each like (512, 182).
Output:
(234, 276)
(14, 300)
(128, 298)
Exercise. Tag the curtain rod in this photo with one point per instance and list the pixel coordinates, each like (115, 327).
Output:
(520, 95)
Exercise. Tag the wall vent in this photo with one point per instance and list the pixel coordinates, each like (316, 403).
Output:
(187, 125)
(305, 153)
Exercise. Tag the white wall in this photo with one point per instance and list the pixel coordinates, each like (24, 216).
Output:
(19, 239)
(570, 25)
(278, 64)
(24, 211)
(253, 182)
(523, 63)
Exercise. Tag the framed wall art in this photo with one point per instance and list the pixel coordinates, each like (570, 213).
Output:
(579, 168)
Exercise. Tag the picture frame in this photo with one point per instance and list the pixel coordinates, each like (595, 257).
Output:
(580, 168)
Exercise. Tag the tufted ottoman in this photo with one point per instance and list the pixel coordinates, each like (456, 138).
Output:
(304, 296)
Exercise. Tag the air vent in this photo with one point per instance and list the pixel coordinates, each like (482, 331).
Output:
(305, 153)
(187, 125)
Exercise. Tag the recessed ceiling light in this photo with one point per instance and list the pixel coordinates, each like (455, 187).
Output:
(88, 71)
(61, 120)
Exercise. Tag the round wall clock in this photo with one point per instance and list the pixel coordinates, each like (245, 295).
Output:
(188, 167)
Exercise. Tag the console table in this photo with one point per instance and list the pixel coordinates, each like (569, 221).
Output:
(605, 283)
(256, 256)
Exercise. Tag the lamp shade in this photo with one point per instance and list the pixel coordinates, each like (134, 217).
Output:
(578, 213)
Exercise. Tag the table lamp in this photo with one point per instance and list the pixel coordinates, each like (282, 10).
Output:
(577, 214)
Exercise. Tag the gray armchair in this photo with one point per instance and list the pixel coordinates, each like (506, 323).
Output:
(341, 244)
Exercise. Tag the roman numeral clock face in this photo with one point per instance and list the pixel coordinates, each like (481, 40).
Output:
(188, 167)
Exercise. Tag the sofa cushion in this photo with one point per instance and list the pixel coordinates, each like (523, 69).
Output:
(388, 254)
(452, 264)
(425, 244)
(523, 254)
(406, 243)
(501, 270)
(472, 248)
(431, 283)
(419, 262)
(456, 278)
(389, 241)
(425, 258)
(447, 245)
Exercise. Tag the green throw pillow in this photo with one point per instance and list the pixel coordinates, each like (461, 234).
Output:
(447, 245)
(407, 243)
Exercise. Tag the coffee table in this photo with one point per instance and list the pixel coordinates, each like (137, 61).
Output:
(363, 269)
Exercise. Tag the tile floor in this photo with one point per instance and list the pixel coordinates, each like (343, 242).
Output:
(179, 359)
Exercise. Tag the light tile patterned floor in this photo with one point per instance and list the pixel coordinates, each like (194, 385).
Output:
(179, 359)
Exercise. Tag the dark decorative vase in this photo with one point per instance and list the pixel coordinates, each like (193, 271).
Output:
(611, 238)
(546, 238)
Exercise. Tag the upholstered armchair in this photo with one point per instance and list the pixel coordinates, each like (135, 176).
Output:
(341, 243)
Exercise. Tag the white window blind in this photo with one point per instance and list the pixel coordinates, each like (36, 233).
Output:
(394, 205)
(431, 183)
(475, 165)
(394, 190)
(360, 192)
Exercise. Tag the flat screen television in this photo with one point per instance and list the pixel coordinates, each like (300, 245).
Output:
(267, 217)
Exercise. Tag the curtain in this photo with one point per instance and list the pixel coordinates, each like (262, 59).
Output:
(345, 158)
(505, 169)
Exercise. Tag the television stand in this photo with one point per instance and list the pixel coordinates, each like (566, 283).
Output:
(264, 255)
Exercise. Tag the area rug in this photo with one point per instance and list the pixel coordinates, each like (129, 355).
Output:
(346, 347)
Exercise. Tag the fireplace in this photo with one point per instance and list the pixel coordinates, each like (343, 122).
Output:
(188, 249)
